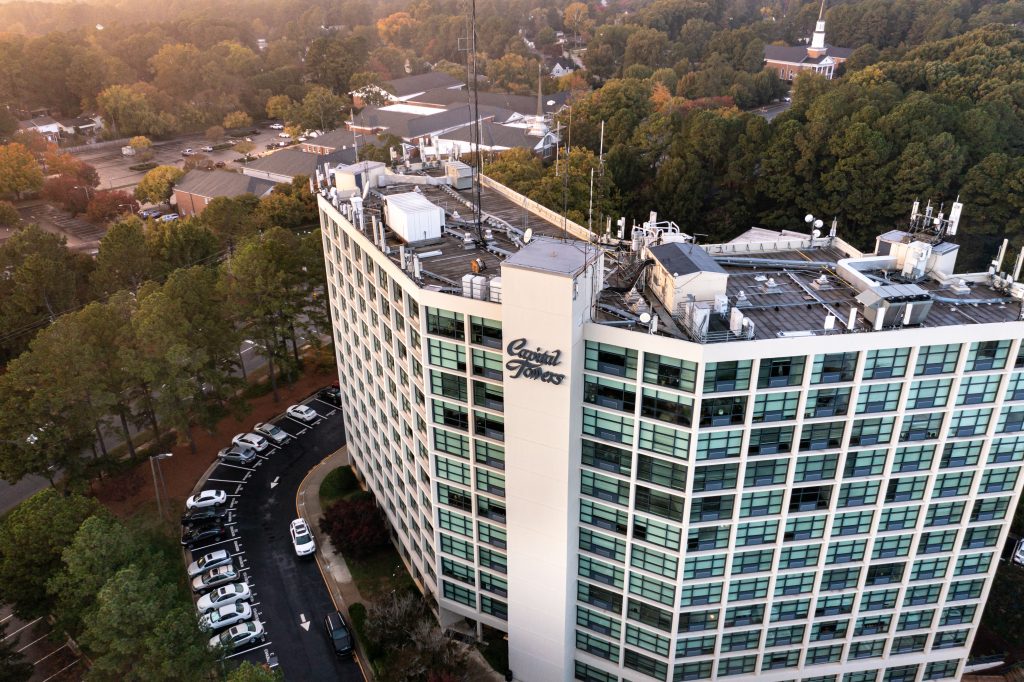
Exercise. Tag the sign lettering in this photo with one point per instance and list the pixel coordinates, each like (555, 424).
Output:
(533, 364)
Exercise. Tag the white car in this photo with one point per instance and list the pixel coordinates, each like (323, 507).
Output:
(285, 135)
(207, 498)
(224, 595)
(277, 126)
(240, 635)
(302, 413)
(225, 616)
(272, 432)
(208, 561)
(215, 577)
(206, 148)
(169, 218)
(302, 539)
(251, 440)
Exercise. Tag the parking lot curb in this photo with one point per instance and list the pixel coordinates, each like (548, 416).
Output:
(307, 502)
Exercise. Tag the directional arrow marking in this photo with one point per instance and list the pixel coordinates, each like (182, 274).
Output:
(273, 484)
(303, 622)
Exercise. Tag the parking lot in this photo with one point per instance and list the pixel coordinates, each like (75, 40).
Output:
(288, 593)
(51, 661)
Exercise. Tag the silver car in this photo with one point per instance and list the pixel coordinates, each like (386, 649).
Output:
(208, 561)
(272, 432)
(215, 577)
(224, 595)
(237, 454)
(251, 440)
(226, 616)
(240, 635)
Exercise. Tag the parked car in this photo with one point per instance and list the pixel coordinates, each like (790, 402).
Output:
(225, 594)
(202, 515)
(150, 213)
(207, 498)
(170, 217)
(192, 536)
(302, 413)
(249, 632)
(220, 164)
(330, 395)
(251, 440)
(283, 144)
(272, 432)
(286, 136)
(188, 152)
(237, 454)
(222, 617)
(277, 126)
(272, 145)
(212, 560)
(338, 633)
(215, 577)
(302, 538)
(206, 148)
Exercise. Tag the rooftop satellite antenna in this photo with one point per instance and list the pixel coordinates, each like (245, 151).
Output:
(645, 318)
(528, 235)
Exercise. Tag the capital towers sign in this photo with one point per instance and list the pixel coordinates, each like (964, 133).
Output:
(533, 364)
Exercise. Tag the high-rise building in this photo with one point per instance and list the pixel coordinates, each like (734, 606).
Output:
(646, 459)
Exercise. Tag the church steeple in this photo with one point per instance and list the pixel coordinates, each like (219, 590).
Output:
(817, 47)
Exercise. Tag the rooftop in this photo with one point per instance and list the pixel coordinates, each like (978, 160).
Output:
(550, 254)
(292, 162)
(410, 85)
(219, 183)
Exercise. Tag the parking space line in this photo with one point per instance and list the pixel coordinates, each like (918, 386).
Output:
(63, 646)
(329, 405)
(239, 553)
(12, 634)
(225, 480)
(74, 662)
(234, 466)
(33, 642)
(262, 645)
(302, 424)
(212, 544)
(262, 457)
(4, 620)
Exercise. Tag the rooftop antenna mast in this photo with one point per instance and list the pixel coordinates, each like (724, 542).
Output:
(355, 135)
(565, 181)
(475, 129)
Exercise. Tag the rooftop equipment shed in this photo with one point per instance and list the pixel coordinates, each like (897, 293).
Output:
(412, 217)
(459, 174)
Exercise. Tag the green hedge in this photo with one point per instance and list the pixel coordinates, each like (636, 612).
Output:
(149, 165)
(336, 485)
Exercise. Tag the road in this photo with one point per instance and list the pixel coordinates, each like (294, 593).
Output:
(290, 595)
(770, 111)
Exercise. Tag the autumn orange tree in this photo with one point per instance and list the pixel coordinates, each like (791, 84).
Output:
(19, 172)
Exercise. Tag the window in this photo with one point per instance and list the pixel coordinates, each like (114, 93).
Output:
(487, 365)
(933, 393)
(884, 574)
(656, 533)
(737, 666)
(718, 477)
(600, 571)
(816, 468)
(654, 561)
(666, 407)
(865, 463)
(827, 402)
(840, 579)
(937, 541)
(915, 620)
(920, 595)
(699, 595)
(811, 498)
(752, 562)
(456, 547)
(711, 537)
(454, 569)
(940, 359)
(727, 376)
(986, 355)
(459, 594)
(846, 551)
(751, 588)
(488, 395)
(1015, 386)
(649, 615)
(978, 389)
(448, 385)
(824, 436)
(804, 528)
(670, 372)
(759, 533)
(781, 659)
(692, 671)
(488, 425)
(660, 472)
(596, 646)
(958, 615)
(450, 414)
(906, 488)
(604, 487)
(704, 566)
(664, 440)
(1005, 449)
(695, 646)
(913, 458)
(602, 545)
(969, 423)
(872, 625)
(599, 597)
(773, 407)
(659, 503)
(490, 454)
(608, 393)
(609, 359)
(455, 522)
(447, 355)
(794, 583)
(741, 641)
(719, 445)
(696, 621)
(950, 485)
(944, 514)
(771, 472)
(646, 640)
(990, 509)
(608, 426)
(452, 471)
(833, 629)
(771, 441)
(898, 518)
(824, 654)
(858, 493)
(799, 557)
(452, 443)
(492, 535)
(454, 497)
(446, 323)
(483, 331)
(903, 673)
(871, 431)
(744, 615)
(833, 367)
(761, 503)
(723, 411)
(885, 363)
(607, 457)
(999, 480)
(950, 639)
(651, 588)
(940, 670)
(985, 536)
(870, 649)
(892, 546)
(781, 372)
(878, 398)
(794, 634)
(964, 590)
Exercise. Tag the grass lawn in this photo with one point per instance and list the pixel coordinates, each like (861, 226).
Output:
(380, 573)
(338, 484)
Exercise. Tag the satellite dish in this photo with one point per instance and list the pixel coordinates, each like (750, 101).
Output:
(815, 234)
(808, 219)
(551, 102)
(528, 235)
(818, 223)
(645, 318)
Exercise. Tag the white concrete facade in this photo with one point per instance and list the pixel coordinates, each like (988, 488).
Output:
(822, 508)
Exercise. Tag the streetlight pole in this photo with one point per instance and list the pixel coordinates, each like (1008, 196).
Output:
(158, 481)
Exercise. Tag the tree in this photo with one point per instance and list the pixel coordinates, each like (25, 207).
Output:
(281, 107)
(107, 204)
(232, 218)
(321, 110)
(576, 18)
(356, 527)
(398, 29)
(9, 216)
(237, 119)
(143, 147)
(32, 537)
(13, 666)
(157, 185)
(8, 123)
(517, 168)
(180, 244)
(250, 672)
(19, 172)
(290, 206)
(214, 134)
(124, 260)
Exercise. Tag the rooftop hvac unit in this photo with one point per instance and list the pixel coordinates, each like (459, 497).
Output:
(413, 217)
(495, 289)
(736, 321)
(888, 304)
(480, 287)
(960, 288)
(467, 285)
(721, 304)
